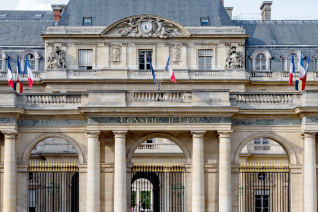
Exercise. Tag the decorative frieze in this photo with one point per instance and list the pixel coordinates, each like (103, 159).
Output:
(266, 122)
(145, 44)
(85, 44)
(205, 44)
(51, 123)
(155, 96)
(265, 98)
(53, 99)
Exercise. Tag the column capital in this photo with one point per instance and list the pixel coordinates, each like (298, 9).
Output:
(198, 133)
(120, 133)
(9, 133)
(225, 134)
(309, 134)
(92, 133)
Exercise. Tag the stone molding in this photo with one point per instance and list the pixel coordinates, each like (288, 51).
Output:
(145, 43)
(182, 146)
(85, 44)
(206, 44)
(120, 133)
(93, 134)
(34, 142)
(291, 153)
(198, 134)
(9, 134)
(175, 52)
(225, 134)
(115, 53)
(310, 134)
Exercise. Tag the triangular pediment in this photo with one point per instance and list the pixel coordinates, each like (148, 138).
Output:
(145, 26)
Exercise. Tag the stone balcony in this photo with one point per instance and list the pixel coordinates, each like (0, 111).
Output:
(140, 98)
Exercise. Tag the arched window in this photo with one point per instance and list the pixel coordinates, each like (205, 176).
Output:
(31, 59)
(260, 62)
(296, 61)
(0, 62)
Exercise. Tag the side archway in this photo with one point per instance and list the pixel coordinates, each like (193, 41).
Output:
(159, 135)
(31, 145)
(292, 156)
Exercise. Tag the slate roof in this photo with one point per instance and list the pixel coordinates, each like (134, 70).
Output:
(273, 32)
(20, 28)
(14, 15)
(23, 33)
(106, 12)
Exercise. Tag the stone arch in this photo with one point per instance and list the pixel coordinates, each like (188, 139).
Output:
(268, 57)
(159, 135)
(286, 55)
(292, 156)
(32, 144)
(34, 53)
(114, 25)
(4, 58)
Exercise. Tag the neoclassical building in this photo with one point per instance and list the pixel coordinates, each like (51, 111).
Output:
(95, 133)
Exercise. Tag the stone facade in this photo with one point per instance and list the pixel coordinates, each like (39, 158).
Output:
(95, 103)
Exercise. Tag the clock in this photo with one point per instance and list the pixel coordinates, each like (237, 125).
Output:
(146, 26)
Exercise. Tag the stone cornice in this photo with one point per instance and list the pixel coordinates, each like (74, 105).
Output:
(12, 112)
(159, 111)
(307, 111)
(266, 113)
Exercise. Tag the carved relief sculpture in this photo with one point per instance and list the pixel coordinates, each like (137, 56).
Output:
(234, 59)
(115, 53)
(175, 52)
(147, 27)
(57, 59)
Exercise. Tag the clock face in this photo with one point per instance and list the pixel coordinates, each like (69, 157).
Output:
(145, 26)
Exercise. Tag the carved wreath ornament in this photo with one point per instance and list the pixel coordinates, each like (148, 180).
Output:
(147, 27)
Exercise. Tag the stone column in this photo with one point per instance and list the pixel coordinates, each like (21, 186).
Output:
(225, 200)
(120, 193)
(310, 188)
(93, 171)
(10, 173)
(198, 202)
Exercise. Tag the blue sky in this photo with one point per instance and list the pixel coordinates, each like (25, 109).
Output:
(281, 9)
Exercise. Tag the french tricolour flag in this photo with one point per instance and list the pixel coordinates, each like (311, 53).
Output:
(28, 71)
(18, 86)
(10, 80)
(304, 78)
(292, 71)
(302, 71)
(171, 73)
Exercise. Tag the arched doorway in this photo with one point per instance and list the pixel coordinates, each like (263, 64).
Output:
(53, 176)
(158, 176)
(264, 176)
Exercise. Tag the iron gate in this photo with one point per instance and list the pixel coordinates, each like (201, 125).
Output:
(264, 187)
(159, 187)
(53, 186)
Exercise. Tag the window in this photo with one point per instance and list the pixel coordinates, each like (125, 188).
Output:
(296, 61)
(38, 16)
(205, 59)
(205, 21)
(3, 16)
(143, 59)
(85, 59)
(260, 62)
(87, 21)
(262, 144)
(0, 63)
(31, 59)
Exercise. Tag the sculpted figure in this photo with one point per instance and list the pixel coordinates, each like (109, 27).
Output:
(128, 27)
(57, 59)
(234, 59)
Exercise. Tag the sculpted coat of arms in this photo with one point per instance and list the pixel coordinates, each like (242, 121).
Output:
(57, 59)
(147, 27)
(234, 59)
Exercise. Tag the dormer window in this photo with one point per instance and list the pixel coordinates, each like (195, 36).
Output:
(38, 16)
(87, 21)
(3, 15)
(205, 21)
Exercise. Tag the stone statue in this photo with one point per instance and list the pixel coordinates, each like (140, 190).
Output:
(234, 59)
(57, 59)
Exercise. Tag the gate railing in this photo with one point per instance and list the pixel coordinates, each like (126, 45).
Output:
(53, 186)
(264, 187)
(158, 187)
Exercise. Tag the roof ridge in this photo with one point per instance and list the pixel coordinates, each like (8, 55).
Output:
(28, 10)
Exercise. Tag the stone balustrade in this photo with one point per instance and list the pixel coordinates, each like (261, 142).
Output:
(36, 76)
(53, 99)
(265, 98)
(209, 73)
(158, 96)
(86, 73)
(259, 74)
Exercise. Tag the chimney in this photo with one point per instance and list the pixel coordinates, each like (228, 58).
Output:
(222, 2)
(229, 11)
(58, 9)
(266, 8)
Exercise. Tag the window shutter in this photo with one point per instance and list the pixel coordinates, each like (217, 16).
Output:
(85, 58)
